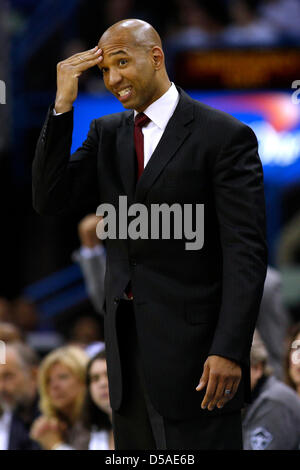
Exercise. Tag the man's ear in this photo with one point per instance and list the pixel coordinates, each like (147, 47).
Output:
(157, 57)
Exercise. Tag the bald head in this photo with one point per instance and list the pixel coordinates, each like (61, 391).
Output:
(138, 33)
(133, 63)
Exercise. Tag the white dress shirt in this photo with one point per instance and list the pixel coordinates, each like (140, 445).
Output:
(5, 422)
(160, 113)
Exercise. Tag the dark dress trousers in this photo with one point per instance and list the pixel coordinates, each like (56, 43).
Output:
(188, 304)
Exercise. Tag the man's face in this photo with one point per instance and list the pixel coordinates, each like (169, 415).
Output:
(14, 381)
(128, 72)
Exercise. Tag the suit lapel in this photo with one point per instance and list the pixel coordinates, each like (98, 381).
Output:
(126, 156)
(173, 137)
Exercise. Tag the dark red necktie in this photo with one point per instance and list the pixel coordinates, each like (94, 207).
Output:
(140, 121)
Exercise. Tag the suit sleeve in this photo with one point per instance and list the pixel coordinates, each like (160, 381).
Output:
(240, 206)
(62, 183)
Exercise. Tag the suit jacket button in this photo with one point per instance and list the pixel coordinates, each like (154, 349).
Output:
(133, 262)
(116, 300)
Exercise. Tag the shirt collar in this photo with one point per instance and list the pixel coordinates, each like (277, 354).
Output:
(161, 110)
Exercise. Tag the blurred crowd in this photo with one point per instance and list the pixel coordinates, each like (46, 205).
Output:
(237, 22)
(59, 400)
(182, 24)
(59, 403)
(54, 394)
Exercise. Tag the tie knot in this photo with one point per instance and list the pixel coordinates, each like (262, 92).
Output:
(141, 120)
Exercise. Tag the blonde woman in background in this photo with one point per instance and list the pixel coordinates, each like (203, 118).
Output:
(62, 392)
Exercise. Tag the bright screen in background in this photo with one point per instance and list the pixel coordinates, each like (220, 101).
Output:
(273, 116)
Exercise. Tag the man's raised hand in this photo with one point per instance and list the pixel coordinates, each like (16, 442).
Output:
(68, 72)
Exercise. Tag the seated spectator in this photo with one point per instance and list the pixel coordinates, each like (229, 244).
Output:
(198, 25)
(80, 324)
(25, 314)
(288, 251)
(273, 320)
(85, 330)
(272, 420)
(292, 359)
(18, 397)
(62, 391)
(92, 261)
(5, 310)
(247, 27)
(94, 424)
(283, 15)
(97, 414)
(10, 333)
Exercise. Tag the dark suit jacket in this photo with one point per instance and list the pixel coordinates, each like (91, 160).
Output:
(188, 304)
(19, 436)
(22, 419)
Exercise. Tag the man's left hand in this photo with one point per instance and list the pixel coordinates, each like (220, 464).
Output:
(221, 377)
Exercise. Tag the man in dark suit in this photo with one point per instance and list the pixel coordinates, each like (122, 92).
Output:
(171, 314)
(18, 397)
